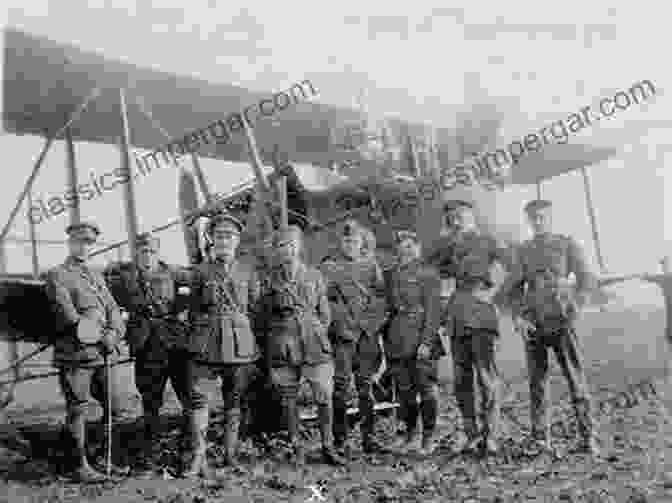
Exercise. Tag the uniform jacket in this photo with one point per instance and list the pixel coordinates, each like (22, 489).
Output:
(412, 294)
(352, 286)
(150, 299)
(535, 286)
(295, 317)
(465, 309)
(451, 252)
(78, 292)
(223, 301)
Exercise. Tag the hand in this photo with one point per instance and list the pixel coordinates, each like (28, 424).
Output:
(523, 327)
(424, 351)
(108, 342)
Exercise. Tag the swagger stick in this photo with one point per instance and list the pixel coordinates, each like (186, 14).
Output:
(108, 424)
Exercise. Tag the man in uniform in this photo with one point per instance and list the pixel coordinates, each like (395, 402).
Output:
(156, 336)
(411, 339)
(459, 260)
(352, 281)
(90, 328)
(224, 294)
(545, 311)
(295, 316)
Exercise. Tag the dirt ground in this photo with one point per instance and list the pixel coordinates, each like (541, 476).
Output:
(635, 465)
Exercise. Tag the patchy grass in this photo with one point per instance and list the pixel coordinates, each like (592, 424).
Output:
(632, 464)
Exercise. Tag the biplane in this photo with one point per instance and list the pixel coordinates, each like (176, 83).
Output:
(311, 178)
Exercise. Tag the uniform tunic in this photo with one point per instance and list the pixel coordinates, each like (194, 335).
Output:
(156, 338)
(223, 300)
(351, 288)
(77, 292)
(223, 342)
(412, 292)
(295, 317)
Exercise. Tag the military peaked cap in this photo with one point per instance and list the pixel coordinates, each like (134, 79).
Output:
(146, 240)
(83, 230)
(221, 218)
(537, 204)
(284, 236)
(455, 204)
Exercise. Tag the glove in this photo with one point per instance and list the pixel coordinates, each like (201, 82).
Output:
(108, 342)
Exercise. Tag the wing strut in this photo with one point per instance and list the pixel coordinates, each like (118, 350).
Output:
(129, 196)
(200, 176)
(593, 220)
(33, 237)
(71, 167)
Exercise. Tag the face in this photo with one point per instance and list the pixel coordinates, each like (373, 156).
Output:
(225, 241)
(352, 245)
(288, 252)
(462, 219)
(148, 258)
(408, 250)
(80, 248)
(540, 220)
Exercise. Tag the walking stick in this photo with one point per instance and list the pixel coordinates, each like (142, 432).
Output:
(108, 425)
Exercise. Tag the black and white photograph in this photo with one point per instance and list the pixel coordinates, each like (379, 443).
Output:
(352, 252)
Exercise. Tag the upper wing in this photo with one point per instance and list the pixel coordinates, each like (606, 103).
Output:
(44, 82)
(557, 159)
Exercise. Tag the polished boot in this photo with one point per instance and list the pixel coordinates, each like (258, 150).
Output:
(341, 426)
(541, 437)
(198, 426)
(233, 417)
(429, 411)
(83, 472)
(411, 440)
(329, 454)
(587, 441)
(489, 445)
(367, 426)
(291, 413)
(471, 439)
(144, 466)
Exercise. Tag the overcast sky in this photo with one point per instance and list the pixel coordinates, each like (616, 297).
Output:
(542, 61)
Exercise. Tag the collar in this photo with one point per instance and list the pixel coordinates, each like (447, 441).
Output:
(75, 262)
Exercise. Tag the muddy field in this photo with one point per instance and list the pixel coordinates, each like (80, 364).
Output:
(635, 464)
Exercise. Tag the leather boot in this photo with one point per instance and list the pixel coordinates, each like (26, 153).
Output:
(471, 439)
(291, 411)
(329, 454)
(429, 411)
(489, 445)
(341, 425)
(367, 426)
(144, 465)
(198, 426)
(411, 440)
(231, 437)
(587, 441)
(541, 437)
(83, 471)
